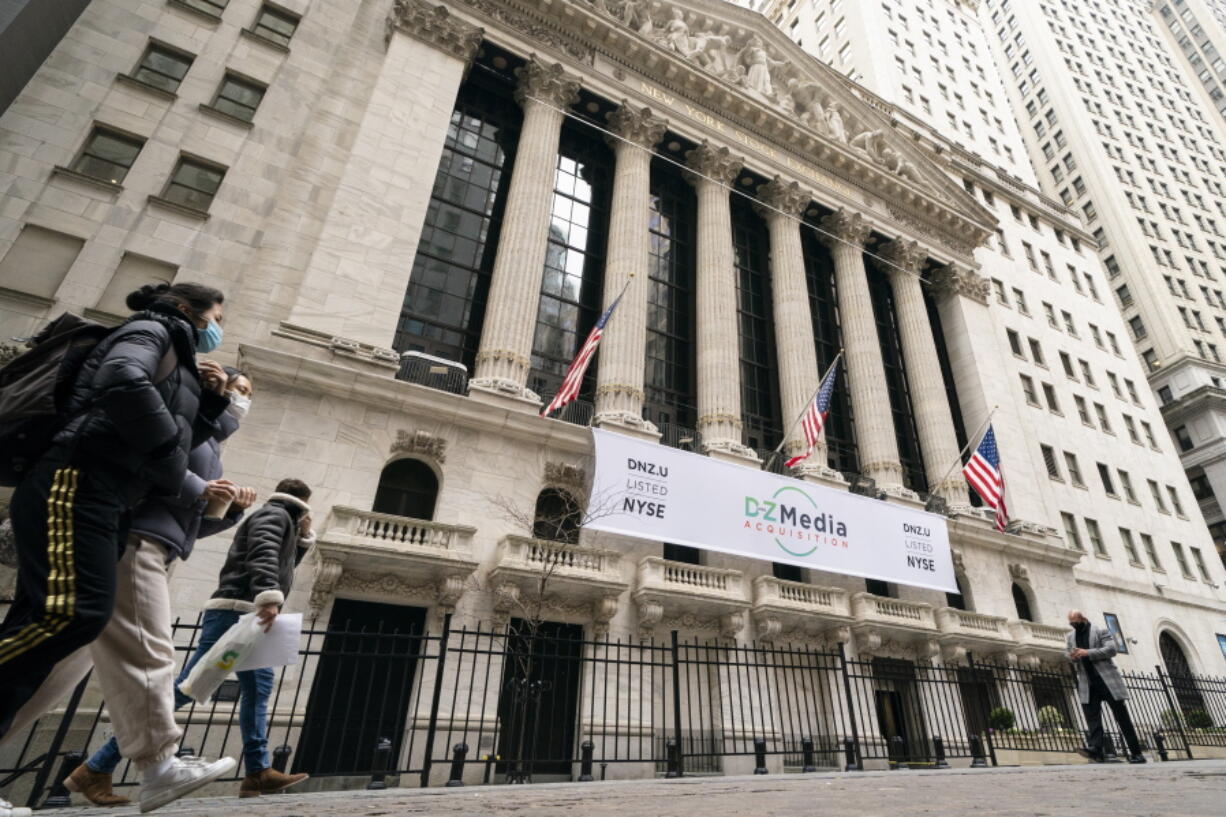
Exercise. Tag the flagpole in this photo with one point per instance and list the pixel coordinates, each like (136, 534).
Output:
(625, 286)
(803, 411)
(983, 427)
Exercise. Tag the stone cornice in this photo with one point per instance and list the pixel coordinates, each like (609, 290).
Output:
(1165, 593)
(436, 26)
(981, 533)
(541, 82)
(637, 125)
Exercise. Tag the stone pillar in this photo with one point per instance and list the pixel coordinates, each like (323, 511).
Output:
(623, 350)
(515, 286)
(352, 284)
(718, 336)
(795, 349)
(934, 423)
(870, 397)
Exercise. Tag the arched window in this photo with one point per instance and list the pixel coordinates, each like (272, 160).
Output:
(558, 517)
(407, 487)
(1173, 656)
(1180, 670)
(1022, 602)
(959, 600)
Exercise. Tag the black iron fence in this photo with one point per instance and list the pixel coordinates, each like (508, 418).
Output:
(540, 701)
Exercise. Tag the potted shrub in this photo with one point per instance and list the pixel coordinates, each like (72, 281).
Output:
(1050, 718)
(1001, 718)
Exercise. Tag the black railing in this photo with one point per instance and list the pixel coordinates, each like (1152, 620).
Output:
(534, 703)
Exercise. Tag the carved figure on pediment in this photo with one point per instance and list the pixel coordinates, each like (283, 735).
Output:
(872, 144)
(836, 127)
(676, 34)
(806, 99)
(758, 62)
(712, 52)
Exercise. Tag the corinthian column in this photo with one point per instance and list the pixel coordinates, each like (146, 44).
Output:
(544, 91)
(870, 397)
(623, 351)
(719, 364)
(938, 441)
(797, 355)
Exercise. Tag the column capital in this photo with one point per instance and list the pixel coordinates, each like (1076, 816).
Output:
(900, 256)
(716, 163)
(958, 280)
(845, 226)
(636, 125)
(787, 197)
(436, 26)
(549, 84)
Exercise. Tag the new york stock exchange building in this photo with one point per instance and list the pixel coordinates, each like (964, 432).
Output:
(435, 204)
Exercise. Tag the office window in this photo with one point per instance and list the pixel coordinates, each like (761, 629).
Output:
(1156, 493)
(39, 260)
(1126, 483)
(239, 97)
(1183, 438)
(108, 154)
(1181, 559)
(163, 67)
(1149, 434)
(1104, 474)
(1019, 298)
(1036, 352)
(1049, 397)
(194, 183)
(1074, 469)
(1175, 503)
(133, 272)
(1201, 567)
(276, 24)
(1083, 410)
(1066, 363)
(1130, 547)
(1096, 537)
(1071, 532)
(213, 8)
(1032, 397)
(1015, 342)
(1103, 422)
(1151, 552)
(1049, 460)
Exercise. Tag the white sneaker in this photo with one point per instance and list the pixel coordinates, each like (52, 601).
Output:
(7, 809)
(182, 776)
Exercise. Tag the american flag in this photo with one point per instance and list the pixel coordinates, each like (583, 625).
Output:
(983, 473)
(815, 414)
(578, 366)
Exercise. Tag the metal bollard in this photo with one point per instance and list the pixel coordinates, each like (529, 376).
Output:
(378, 777)
(806, 751)
(978, 759)
(674, 756)
(458, 753)
(280, 757)
(1109, 755)
(585, 761)
(759, 756)
(604, 767)
(1160, 745)
(938, 749)
(898, 753)
(849, 755)
(58, 796)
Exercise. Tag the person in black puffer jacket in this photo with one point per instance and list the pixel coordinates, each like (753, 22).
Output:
(139, 405)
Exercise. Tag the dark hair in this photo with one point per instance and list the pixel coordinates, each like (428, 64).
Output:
(233, 374)
(294, 487)
(196, 297)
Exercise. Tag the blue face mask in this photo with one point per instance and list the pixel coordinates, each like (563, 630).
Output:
(209, 338)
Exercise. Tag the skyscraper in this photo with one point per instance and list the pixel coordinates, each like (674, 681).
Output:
(1196, 31)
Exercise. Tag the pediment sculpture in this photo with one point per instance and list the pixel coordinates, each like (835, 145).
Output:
(744, 59)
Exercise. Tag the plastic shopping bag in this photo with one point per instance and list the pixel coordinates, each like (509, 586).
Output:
(222, 658)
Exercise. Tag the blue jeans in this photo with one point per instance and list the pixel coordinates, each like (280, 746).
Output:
(255, 688)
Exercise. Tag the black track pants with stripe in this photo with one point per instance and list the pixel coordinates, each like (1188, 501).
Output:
(68, 523)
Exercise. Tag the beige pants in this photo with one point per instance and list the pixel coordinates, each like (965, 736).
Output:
(134, 660)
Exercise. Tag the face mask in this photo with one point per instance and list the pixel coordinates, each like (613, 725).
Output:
(239, 406)
(209, 338)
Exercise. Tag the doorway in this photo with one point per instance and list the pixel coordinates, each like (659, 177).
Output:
(539, 700)
(363, 687)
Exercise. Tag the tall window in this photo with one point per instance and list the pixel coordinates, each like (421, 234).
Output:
(896, 381)
(407, 487)
(574, 262)
(163, 66)
(558, 517)
(194, 183)
(759, 374)
(670, 302)
(444, 306)
(1021, 603)
(839, 431)
(108, 154)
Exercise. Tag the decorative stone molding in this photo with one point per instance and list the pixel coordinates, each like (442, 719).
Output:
(731, 624)
(542, 82)
(954, 280)
(845, 226)
(959, 560)
(445, 592)
(565, 475)
(651, 613)
(1019, 572)
(563, 41)
(953, 653)
(767, 627)
(636, 125)
(327, 577)
(436, 26)
(421, 443)
(603, 610)
(786, 197)
(717, 164)
(901, 256)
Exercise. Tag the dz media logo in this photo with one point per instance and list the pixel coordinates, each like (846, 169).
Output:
(805, 523)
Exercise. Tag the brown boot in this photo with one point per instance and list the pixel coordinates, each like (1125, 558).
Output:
(96, 787)
(267, 781)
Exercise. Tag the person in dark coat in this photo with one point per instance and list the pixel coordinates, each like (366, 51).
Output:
(1091, 649)
(256, 577)
(139, 405)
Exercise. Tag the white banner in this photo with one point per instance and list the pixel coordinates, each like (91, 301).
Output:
(650, 491)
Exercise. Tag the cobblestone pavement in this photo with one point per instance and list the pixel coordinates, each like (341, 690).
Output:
(1183, 789)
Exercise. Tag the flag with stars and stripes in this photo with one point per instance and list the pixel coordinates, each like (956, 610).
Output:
(814, 418)
(578, 367)
(983, 473)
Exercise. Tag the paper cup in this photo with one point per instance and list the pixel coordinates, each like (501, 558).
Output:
(216, 508)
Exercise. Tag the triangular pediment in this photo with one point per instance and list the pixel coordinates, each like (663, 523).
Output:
(742, 49)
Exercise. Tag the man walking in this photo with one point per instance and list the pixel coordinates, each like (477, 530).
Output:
(1091, 649)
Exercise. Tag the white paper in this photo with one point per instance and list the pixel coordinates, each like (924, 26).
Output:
(277, 647)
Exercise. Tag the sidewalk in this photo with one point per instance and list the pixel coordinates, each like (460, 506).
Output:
(1176, 789)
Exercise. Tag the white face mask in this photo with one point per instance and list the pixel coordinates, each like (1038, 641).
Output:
(239, 406)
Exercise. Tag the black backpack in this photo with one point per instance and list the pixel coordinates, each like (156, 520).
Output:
(36, 386)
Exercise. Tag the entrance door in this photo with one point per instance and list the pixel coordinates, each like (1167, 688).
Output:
(539, 701)
(363, 685)
(892, 719)
(979, 697)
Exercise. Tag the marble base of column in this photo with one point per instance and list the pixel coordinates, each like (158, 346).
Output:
(517, 399)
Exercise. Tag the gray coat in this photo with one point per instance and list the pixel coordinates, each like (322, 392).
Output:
(1102, 649)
